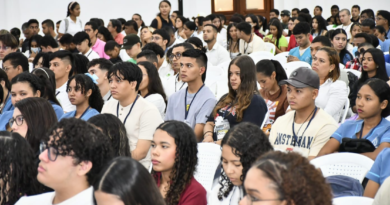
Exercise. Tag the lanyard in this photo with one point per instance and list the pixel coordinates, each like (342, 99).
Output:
(89, 53)
(226, 111)
(294, 135)
(185, 102)
(181, 84)
(372, 130)
(58, 93)
(83, 112)
(117, 110)
(247, 45)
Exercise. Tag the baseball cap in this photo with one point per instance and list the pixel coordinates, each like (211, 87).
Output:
(130, 40)
(303, 77)
(285, 13)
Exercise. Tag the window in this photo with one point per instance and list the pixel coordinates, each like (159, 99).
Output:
(223, 5)
(255, 4)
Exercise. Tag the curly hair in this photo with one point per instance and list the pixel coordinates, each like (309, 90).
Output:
(18, 169)
(294, 178)
(248, 142)
(79, 139)
(185, 161)
(114, 129)
(248, 87)
(84, 84)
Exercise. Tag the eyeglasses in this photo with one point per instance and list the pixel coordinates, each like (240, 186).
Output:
(177, 56)
(52, 153)
(18, 120)
(250, 200)
(378, 19)
(4, 48)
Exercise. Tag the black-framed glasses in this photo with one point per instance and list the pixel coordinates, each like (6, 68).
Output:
(250, 200)
(52, 153)
(177, 56)
(18, 120)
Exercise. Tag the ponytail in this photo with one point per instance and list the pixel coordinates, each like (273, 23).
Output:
(267, 67)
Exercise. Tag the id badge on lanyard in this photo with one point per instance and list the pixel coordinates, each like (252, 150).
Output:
(221, 127)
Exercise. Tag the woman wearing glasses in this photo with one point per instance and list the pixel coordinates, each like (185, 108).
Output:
(285, 178)
(32, 118)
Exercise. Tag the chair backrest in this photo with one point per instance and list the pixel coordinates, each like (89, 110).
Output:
(290, 67)
(347, 164)
(355, 72)
(355, 200)
(212, 73)
(345, 111)
(270, 47)
(225, 67)
(209, 158)
(281, 57)
(330, 27)
(288, 39)
(261, 55)
(342, 66)
(385, 53)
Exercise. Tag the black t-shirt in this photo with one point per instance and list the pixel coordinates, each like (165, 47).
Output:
(164, 23)
(25, 45)
(116, 60)
(255, 113)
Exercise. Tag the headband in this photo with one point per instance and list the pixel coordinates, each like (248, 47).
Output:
(93, 77)
(43, 71)
(71, 4)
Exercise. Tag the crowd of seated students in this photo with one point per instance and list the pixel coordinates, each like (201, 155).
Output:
(87, 109)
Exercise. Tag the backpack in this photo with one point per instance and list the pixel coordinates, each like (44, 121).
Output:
(67, 24)
(352, 78)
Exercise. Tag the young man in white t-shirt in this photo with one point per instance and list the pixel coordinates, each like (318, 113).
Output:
(307, 128)
(100, 67)
(70, 161)
(61, 63)
(346, 23)
(140, 117)
(83, 44)
(194, 104)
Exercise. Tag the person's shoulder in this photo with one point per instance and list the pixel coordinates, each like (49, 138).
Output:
(110, 104)
(68, 114)
(42, 199)
(294, 49)
(195, 186)
(257, 99)
(325, 118)
(145, 105)
(207, 93)
(93, 111)
(177, 94)
(285, 118)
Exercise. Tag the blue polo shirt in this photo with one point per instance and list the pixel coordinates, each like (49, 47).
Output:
(380, 170)
(4, 119)
(377, 135)
(57, 109)
(90, 113)
(306, 56)
(8, 105)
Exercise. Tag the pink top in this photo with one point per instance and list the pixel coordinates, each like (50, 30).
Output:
(119, 38)
(99, 48)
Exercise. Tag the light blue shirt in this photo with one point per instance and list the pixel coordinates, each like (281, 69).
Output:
(200, 108)
(88, 114)
(306, 56)
(380, 170)
(4, 119)
(57, 109)
(384, 45)
(377, 135)
(8, 105)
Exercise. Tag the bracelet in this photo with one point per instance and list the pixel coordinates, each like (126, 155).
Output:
(206, 133)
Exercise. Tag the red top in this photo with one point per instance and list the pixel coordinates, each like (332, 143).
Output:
(293, 43)
(258, 34)
(193, 194)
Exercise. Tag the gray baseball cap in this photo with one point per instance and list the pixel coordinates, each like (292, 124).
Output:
(130, 40)
(303, 77)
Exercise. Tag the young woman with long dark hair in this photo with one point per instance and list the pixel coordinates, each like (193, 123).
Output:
(125, 181)
(318, 26)
(241, 146)
(339, 41)
(174, 157)
(269, 74)
(233, 42)
(85, 95)
(151, 87)
(242, 104)
(73, 13)
(163, 18)
(276, 36)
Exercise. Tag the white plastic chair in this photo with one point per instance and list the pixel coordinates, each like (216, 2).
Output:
(225, 67)
(209, 158)
(345, 111)
(343, 163)
(356, 72)
(342, 66)
(290, 67)
(281, 57)
(385, 53)
(330, 27)
(270, 47)
(150, 167)
(260, 55)
(353, 200)
(212, 73)
(288, 39)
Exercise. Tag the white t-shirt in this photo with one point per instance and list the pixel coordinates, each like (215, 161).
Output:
(347, 29)
(124, 56)
(107, 96)
(141, 123)
(314, 137)
(157, 100)
(217, 55)
(91, 54)
(234, 197)
(83, 198)
(171, 85)
(73, 27)
(62, 97)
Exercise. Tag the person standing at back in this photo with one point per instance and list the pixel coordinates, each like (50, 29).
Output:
(163, 18)
(194, 104)
(71, 24)
(355, 13)
(48, 28)
(91, 28)
(249, 42)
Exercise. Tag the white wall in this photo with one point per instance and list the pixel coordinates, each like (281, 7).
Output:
(16, 12)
